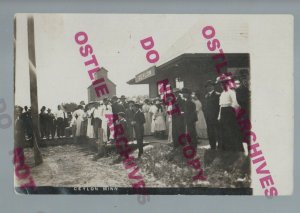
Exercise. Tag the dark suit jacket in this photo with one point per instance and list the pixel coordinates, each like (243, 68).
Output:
(243, 97)
(190, 114)
(129, 115)
(116, 108)
(211, 107)
(176, 117)
(19, 132)
(139, 118)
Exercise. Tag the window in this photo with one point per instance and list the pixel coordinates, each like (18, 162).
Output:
(179, 83)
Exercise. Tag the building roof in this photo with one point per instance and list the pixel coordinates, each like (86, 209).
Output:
(106, 78)
(181, 60)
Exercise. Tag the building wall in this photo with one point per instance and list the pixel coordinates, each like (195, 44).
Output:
(92, 94)
(111, 87)
(153, 90)
(195, 73)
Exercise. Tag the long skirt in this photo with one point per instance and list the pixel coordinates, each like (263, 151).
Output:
(90, 129)
(147, 124)
(105, 130)
(169, 120)
(230, 134)
(160, 123)
(201, 125)
(152, 124)
(79, 127)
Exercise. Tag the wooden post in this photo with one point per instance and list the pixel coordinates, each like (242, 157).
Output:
(101, 146)
(33, 91)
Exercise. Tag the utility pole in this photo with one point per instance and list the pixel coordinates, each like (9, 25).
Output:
(33, 91)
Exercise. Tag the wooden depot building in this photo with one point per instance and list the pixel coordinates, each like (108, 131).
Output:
(190, 70)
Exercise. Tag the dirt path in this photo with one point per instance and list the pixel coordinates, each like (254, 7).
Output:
(72, 165)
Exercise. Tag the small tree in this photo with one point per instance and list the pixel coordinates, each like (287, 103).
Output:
(69, 107)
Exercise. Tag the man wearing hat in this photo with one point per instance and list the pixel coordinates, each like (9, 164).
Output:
(43, 122)
(129, 117)
(19, 128)
(211, 112)
(124, 102)
(190, 115)
(138, 125)
(116, 107)
(82, 103)
(50, 129)
(177, 124)
(60, 117)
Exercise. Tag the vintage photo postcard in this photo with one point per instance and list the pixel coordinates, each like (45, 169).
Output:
(152, 104)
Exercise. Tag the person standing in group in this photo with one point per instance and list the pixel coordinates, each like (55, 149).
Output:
(50, 124)
(147, 125)
(105, 110)
(60, 118)
(26, 116)
(243, 93)
(243, 96)
(43, 122)
(169, 122)
(80, 115)
(121, 146)
(177, 119)
(211, 112)
(159, 120)
(129, 117)
(70, 122)
(82, 103)
(122, 120)
(190, 116)
(90, 122)
(229, 129)
(84, 122)
(138, 124)
(152, 111)
(19, 129)
(97, 114)
(116, 107)
(123, 102)
(201, 123)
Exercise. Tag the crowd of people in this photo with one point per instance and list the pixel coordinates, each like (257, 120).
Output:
(214, 118)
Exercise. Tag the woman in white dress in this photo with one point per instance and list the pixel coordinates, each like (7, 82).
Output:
(160, 123)
(90, 128)
(201, 127)
(105, 109)
(169, 121)
(80, 115)
(152, 111)
(147, 125)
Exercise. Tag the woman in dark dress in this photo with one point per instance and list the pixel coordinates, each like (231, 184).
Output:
(229, 129)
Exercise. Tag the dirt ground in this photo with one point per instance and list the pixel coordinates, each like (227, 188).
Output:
(72, 165)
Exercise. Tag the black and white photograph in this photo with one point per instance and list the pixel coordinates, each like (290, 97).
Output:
(138, 104)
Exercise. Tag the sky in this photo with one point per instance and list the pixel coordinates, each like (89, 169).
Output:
(115, 38)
